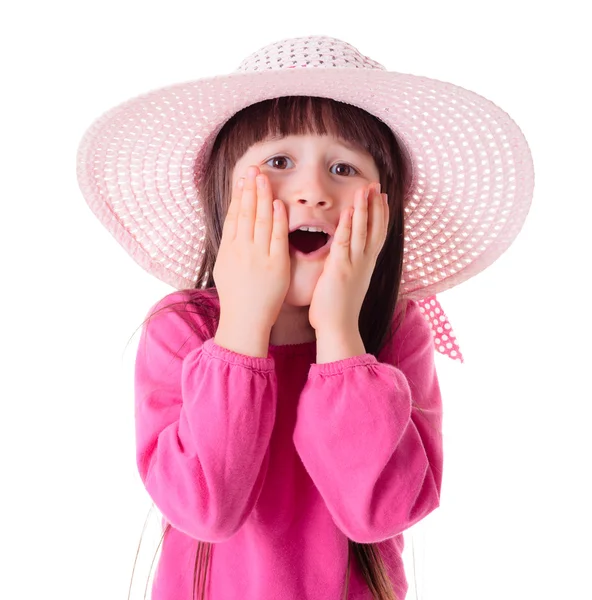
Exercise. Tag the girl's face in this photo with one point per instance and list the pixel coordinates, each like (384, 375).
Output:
(316, 177)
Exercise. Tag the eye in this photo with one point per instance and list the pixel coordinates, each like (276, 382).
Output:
(279, 162)
(277, 159)
(352, 171)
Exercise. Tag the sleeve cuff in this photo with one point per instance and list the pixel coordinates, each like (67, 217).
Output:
(339, 366)
(254, 363)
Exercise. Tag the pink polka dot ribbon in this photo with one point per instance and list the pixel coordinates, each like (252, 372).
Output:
(444, 338)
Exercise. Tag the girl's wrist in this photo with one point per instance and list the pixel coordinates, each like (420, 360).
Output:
(334, 345)
(243, 339)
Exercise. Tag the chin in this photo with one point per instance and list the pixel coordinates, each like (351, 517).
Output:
(303, 280)
(302, 286)
(298, 297)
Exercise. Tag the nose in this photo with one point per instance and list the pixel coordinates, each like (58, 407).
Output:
(313, 188)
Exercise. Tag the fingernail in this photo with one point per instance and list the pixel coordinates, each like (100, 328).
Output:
(241, 183)
(252, 172)
(377, 187)
(260, 182)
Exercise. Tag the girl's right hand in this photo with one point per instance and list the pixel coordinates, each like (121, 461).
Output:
(252, 270)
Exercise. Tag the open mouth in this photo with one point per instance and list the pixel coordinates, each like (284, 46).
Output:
(308, 241)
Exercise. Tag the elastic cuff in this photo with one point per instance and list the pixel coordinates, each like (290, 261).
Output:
(255, 363)
(339, 366)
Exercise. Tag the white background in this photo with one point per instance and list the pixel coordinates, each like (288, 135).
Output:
(514, 520)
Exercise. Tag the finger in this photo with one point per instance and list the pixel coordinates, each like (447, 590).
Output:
(341, 242)
(264, 214)
(376, 226)
(384, 220)
(279, 236)
(230, 221)
(248, 207)
(359, 232)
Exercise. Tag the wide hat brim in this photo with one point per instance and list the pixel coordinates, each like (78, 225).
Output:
(140, 164)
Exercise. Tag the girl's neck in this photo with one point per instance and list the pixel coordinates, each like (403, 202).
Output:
(292, 327)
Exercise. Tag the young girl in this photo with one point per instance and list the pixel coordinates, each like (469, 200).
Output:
(307, 208)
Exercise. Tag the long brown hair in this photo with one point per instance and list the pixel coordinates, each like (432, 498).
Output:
(294, 115)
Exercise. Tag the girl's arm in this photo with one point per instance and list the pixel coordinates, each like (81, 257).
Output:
(376, 461)
(204, 418)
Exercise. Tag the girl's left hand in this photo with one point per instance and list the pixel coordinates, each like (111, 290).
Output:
(343, 284)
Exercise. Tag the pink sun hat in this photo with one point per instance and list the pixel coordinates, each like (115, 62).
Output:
(140, 165)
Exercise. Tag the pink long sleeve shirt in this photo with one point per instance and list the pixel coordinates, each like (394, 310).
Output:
(277, 461)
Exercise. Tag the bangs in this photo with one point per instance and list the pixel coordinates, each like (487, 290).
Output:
(300, 115)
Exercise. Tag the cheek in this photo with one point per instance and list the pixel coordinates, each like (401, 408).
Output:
(305, 273)
(276, 188)
(303, 281)
(346, 200)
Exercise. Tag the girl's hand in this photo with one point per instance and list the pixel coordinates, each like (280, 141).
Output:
(252, 270)
(343, 284)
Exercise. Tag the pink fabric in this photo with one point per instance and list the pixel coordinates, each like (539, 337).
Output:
(278, 460)
(444, 338)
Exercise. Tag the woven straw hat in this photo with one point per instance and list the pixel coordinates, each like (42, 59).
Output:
(139, 165)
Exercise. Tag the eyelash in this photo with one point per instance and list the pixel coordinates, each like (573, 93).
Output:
(356, 172)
